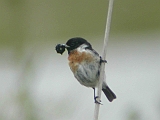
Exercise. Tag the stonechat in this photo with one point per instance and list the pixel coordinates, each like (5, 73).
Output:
(85, 64)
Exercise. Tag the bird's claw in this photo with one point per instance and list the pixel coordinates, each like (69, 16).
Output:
(96, 101)
(102, 61)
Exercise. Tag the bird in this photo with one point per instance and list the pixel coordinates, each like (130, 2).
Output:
(85, 64)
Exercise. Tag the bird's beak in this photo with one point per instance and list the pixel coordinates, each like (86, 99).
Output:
(66, 46)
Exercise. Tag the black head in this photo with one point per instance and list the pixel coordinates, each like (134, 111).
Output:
(74, 43)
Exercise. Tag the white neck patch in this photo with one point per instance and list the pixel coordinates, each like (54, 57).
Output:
(82, 47)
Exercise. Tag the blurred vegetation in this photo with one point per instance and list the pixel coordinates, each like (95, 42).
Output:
(133, 114)
(24, 21)
(38, 22)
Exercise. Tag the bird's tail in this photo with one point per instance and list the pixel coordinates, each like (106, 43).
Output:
(109, 94)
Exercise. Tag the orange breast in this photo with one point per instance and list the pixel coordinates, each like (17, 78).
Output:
(75, 58)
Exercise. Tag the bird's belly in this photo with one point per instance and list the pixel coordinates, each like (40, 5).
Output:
(85, 67)
(87, 74)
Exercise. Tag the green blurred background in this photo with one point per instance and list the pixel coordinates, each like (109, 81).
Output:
(33, 78)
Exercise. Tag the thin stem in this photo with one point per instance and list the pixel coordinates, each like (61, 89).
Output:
(102, 72)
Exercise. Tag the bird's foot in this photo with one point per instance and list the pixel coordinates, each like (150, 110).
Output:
(96, 101)
(102, 61)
